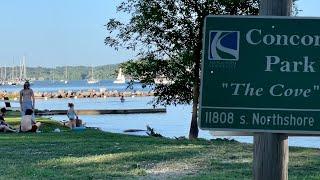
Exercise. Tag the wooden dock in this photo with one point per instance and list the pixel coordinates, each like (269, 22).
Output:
(101, 111)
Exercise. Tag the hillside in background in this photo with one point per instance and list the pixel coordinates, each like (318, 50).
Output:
(73, 72)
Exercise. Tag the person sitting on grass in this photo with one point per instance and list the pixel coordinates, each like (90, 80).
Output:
(3, 125)
(72, 116)
(28, 124)
(3, 112)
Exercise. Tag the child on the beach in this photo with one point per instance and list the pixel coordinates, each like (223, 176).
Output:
(72, 116)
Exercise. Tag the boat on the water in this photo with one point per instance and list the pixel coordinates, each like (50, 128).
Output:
(120, 78)
(162, 80)
(18, 74)
(66, 76)
(92, 80)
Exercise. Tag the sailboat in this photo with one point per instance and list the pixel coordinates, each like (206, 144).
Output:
(53, 80)
(120, 78)
(66, 81)
(13, 79)
(66, 76)
(92, 80)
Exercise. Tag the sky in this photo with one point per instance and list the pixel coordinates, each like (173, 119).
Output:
(309, 8)
(68, 32)
(57, 32)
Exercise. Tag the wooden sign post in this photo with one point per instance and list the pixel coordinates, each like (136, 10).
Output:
(271, 151)
(260, 74)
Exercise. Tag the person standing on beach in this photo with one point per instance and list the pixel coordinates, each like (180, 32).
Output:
(27, 100)
(72, 116)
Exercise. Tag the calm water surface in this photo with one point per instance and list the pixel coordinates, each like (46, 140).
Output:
(174, 123)
(54, 86)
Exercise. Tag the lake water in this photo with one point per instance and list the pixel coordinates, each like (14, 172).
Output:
(53, 86)
(174, 123)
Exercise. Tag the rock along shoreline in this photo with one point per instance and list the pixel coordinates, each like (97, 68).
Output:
(80, 94)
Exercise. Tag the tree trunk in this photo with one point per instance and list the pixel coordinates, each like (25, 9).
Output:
(194, 130)
(271, 152)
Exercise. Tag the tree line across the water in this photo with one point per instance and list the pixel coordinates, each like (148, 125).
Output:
(69, 72)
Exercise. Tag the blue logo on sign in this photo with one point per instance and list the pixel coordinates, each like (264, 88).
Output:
(224, 45)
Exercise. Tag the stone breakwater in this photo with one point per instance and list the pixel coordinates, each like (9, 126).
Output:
(80, 94)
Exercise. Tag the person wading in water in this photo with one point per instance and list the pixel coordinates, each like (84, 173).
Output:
(27, 100)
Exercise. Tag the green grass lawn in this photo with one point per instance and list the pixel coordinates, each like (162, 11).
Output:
(93, 154)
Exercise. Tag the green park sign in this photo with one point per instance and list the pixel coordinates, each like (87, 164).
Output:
(261, 74)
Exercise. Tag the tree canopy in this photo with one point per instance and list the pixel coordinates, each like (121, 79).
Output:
(167, 36)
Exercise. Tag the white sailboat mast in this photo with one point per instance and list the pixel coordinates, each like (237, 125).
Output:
(24, 68)
(66, 76)
(12, 71)
(92, 76)
(5, 72)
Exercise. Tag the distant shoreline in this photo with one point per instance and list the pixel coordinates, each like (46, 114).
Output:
(80, 94)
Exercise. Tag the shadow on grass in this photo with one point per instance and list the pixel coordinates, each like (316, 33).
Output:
(100, 155)
(89, 154)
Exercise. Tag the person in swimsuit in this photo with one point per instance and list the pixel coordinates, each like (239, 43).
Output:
(27, 100)
(72, 115)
